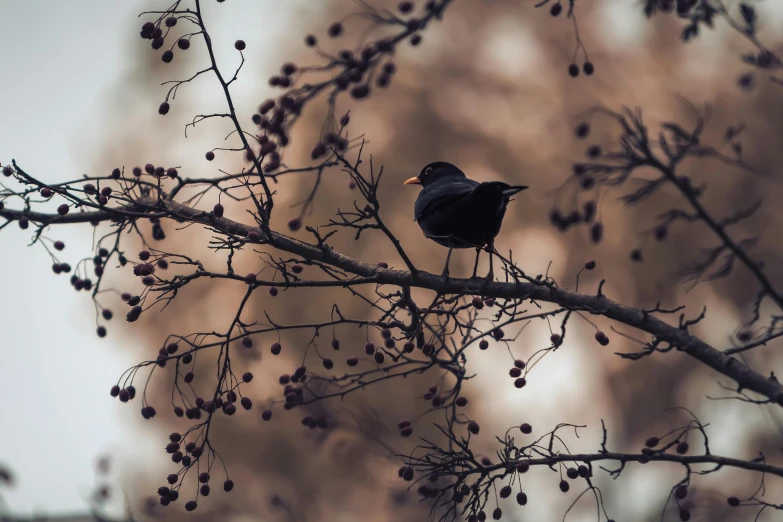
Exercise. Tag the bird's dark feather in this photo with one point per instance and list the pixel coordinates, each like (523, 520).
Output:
(437, 197)
(458, 212)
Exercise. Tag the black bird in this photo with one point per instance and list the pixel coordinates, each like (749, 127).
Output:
(458, 212)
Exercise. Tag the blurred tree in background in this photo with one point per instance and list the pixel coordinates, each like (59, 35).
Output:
(300, 356)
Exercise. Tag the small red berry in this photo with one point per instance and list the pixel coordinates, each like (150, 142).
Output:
(294, 224)
(360, 91)
(405, 7)
(681, 492)
(335, 30)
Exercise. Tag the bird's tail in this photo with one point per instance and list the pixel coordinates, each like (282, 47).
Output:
(510, 191)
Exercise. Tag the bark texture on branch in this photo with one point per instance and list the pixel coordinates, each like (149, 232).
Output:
(745, 377)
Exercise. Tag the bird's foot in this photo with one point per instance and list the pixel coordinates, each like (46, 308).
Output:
(445, 274)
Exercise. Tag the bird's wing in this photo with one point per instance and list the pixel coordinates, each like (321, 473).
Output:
(436, 198)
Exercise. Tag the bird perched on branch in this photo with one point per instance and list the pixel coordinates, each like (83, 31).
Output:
(458, 212)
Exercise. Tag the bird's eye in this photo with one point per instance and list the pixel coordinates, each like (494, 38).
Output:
(427, 171)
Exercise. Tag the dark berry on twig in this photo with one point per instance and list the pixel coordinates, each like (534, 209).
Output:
(335, 30)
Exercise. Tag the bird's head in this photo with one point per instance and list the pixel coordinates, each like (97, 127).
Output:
(438, 170)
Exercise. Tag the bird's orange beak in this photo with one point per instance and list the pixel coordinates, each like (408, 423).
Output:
(412, 181)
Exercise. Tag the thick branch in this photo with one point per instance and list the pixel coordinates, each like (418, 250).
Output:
(746, 378)
(717, 460)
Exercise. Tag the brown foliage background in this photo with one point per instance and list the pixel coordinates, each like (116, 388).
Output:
(488, 91)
